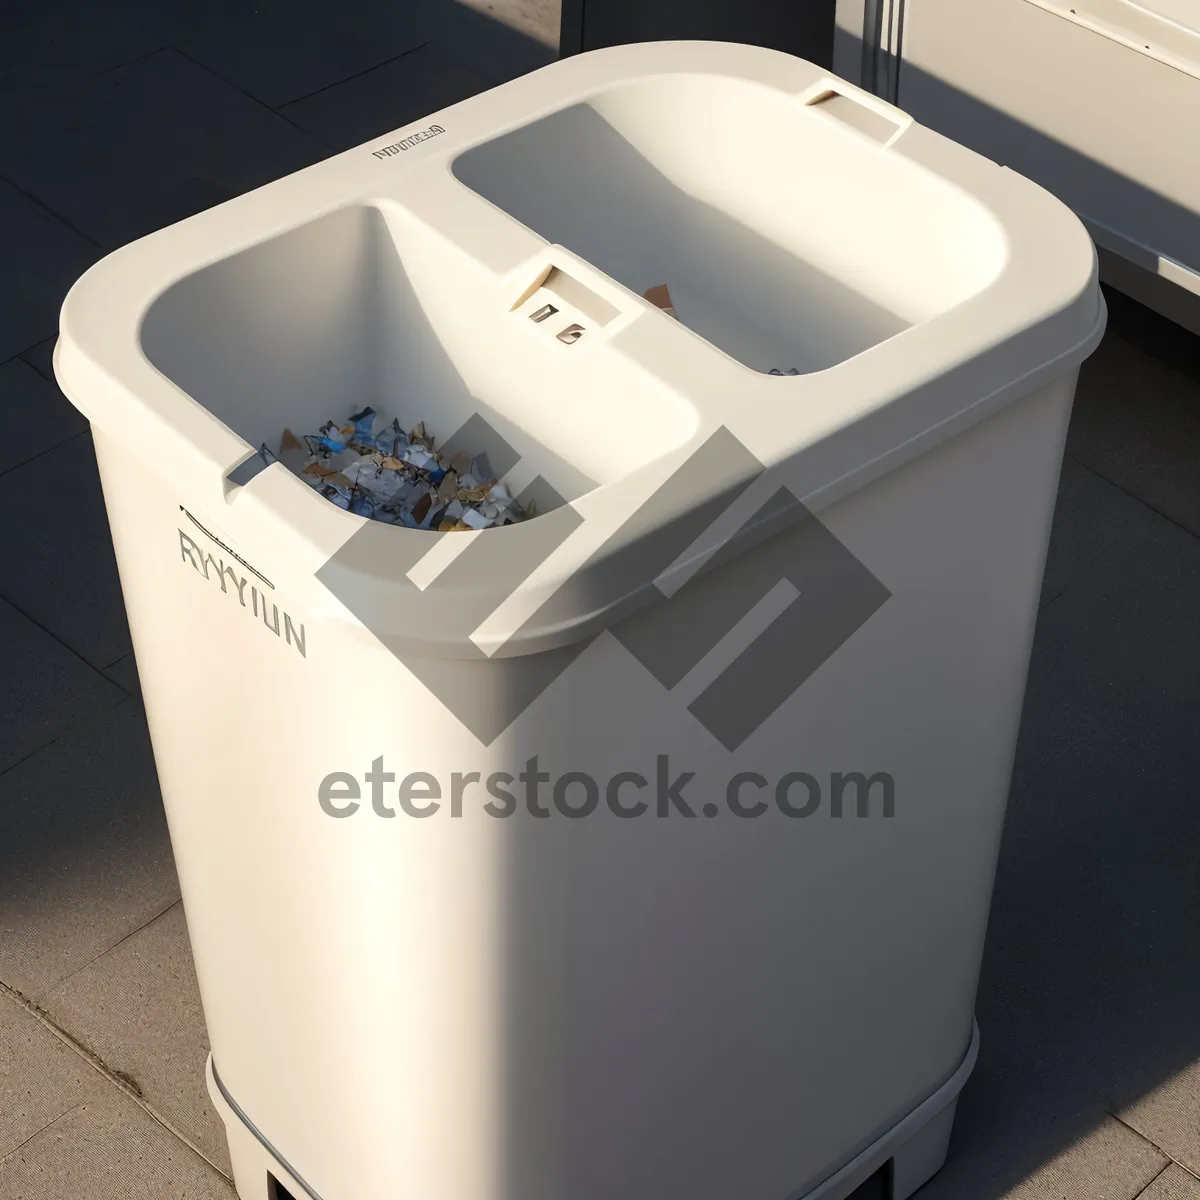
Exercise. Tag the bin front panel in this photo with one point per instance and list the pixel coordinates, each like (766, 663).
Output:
(730, 991)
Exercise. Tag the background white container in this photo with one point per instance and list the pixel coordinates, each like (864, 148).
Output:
(751, 576)
(1095, 99)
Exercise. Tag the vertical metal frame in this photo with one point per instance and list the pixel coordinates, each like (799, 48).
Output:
(868, 44)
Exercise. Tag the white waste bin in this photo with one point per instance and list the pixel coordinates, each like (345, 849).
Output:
(642, 848)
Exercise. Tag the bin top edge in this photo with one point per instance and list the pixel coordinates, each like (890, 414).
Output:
(1028, 320)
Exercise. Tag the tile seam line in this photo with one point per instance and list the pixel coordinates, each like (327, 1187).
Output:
(38, 1132)
(73, 727)
(29, 350)
(1157, 1175)
(16, 762)
(357, 75)
(120, 942)
(1041, 608)
(41, 204)
(253, 99)
(1171, 1159)
(48, 449)
(1132, 495)
(39, 454)
(98, 1065)
(75, 653)
(129, 62)
(1165, 1168)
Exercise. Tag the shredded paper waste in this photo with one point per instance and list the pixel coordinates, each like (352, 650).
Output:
(398, 477)
(401, 478)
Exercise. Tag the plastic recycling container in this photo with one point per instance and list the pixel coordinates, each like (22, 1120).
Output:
(643, 848)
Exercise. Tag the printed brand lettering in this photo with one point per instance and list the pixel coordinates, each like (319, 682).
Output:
(234, 584)
(413, 139)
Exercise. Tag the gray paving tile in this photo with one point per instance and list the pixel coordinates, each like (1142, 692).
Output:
(1084, 995)
(1013, 1142)
(85, 858)
(16, 13)
(58, 559)
(1169, 1115)
(537, 19)
(1109, 1162)
(47, 688)
(40, 257)
(124, 674)
(138, 1008)
(1137, 423)
(144, 145)
(500, 39)
(41, 358)
(70, 40)
(40, 1077)
(1173, 1184)
(163, 204)
(34, 414)
(1161, 339)
(279, 52)
(386, 98)
(177, 20)
(108, 1149)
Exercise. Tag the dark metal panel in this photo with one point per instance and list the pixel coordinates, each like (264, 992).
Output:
(800, 27)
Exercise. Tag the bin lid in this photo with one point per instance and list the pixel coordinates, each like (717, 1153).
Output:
(982, 320)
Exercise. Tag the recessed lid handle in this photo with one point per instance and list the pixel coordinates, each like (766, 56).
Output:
(864, 114)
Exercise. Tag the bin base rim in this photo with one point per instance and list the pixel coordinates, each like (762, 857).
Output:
(234, 1118)
(889, 1144)
(905, 1132)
